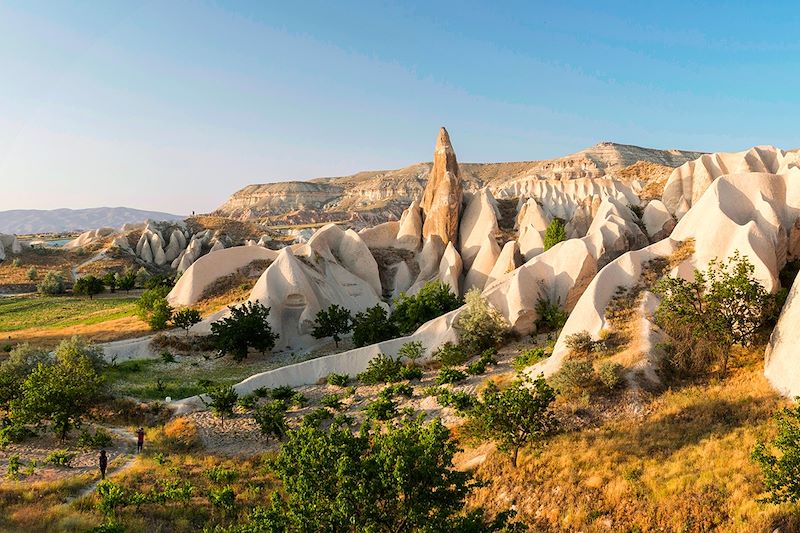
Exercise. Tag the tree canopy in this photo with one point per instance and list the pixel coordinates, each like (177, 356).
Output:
(246, 327)
(334, 322)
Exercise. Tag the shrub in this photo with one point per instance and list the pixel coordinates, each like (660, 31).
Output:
(381, 408)
(126, 281)
(100, 439)
(479, 366)
(706, 317)
(551, 316)
(780, 470)
(372, 326)
(402, 389)
(222, 400)
(317, 417)
(381, 369)
(52, 284)
(412, 351)
(554, 234)
(248, 401)
(459, 400)
(17, 262)
(480, 325)
(167, 357)
(32, 274)
(574, 375)
(271, 419)
(450, 354)
(245, 328)
(338, 380)
(516, 416)
(298, 399)
(111, 280)
(220, 474)
(610, 374)
(223, 499)
(88, 286)
(580, 344)
(334, 322)
(332, 401)
(160, 315)
(12, 470)
(528, 358)
(434, 299)
(410, 372)
(15, 369)
(449, 375)
(14, 432)
(60, 458)
(186, 318)
(283, 392)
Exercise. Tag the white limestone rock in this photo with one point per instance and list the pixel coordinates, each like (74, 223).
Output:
(478, 221)
(482, 266)
(508, 261)
(409, 234)
(657, 220)
(450, 268)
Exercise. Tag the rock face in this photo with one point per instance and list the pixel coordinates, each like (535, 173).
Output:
(441, 201)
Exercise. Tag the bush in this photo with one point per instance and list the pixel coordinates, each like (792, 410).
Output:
(450, 354)
(60, 458)
(17, 262)
(402, 389)
(480, 325)
(528, 358)
(381, 369)
(126, 281)
(575, 374)
(410, 372)
(412, 351)
(160, 315)
(554, 234)
(372, 326)
(220, 474)
(449, 375)
(248, 401)
(12, 471)
(338, 380)
(32, 274)
(100, 439)
(271, 419)
(580, 344)
(381, 408)
(479, 367)
(51, 285)
(332, 401)
(780, 470)
(434, 299)
(223, 499)
(245, 328)
(551, 316)
(186, 318)
(167, 357)
(610, 374)
(459, 400)
(333, 322)
(283, 393)
(316, 417)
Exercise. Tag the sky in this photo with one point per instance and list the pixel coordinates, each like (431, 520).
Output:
(173, 106)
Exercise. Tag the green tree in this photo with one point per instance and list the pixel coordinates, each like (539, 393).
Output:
(160, 316)
(246, 327)
(782, 471)
(52, 284)
(516, 416)
(412, 351)
(271, 419)
(555, 233)
(111, 280)
(221, 401)
(434, 299)
(152, 302)
(480, 325)
(13, 371)
(32, 274)
(706, 317)
(334, 321)
(88, 286)
(400, 480)
(186, 318)
(61, 392)
(373, 325)
(127, 281)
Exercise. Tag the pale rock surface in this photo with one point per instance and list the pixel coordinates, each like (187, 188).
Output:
(478, 221)
(212, 266)
(347, 249)
(482, 266)
(441, 201)
(146, 253)
(782, 357)
(381, 236)
(219, 246)
(409, 234)
(531, 243)
(402, 278)
(657, 220)
(531, 213)
(428, 261)
(450, 268)
(508, 261)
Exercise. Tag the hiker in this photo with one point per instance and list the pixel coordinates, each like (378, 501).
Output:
(103, 460)
(139, 440)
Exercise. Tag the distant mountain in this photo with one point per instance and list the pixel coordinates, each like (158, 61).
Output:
(26, 221)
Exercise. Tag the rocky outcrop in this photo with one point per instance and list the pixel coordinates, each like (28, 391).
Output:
(441, 201)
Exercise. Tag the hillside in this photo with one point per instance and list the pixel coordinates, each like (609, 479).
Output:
(384, 193)
(28, 221)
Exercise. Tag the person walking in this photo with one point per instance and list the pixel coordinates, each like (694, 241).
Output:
(103, 461)
(139, 440)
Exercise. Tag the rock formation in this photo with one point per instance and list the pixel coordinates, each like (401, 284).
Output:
(441, 201)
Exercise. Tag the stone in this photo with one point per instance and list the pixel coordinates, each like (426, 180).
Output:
(530, 242)
(657, 220)
(478, 221)
(508, 261)
(409, 234)
(441, 200)
(450, 268)
(482, 266)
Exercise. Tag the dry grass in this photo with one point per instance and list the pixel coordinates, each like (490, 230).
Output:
(238, 231)
(111, 330)
(682, 465)
(226, 291)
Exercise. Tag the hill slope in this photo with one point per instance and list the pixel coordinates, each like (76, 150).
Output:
(26, 221)
(383, 192)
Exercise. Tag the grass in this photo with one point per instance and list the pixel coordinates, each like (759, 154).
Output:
(55, 312)
(682, 466)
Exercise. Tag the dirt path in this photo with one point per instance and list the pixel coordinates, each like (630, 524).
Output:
(127, 460)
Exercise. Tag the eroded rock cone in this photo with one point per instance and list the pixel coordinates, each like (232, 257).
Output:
(441, 201)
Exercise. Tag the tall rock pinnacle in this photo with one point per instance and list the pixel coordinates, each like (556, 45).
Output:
(441, 201)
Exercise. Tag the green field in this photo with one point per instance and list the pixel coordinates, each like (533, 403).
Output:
(53, 312)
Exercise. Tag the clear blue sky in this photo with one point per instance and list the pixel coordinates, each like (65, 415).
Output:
(173, 106)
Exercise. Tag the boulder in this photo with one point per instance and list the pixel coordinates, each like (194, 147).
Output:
(441, 200)
(482, 266)
(531, 243)
(532, 213)
(657, 220)
(380, 236)
(409, 234)
(450, 268)
(508, 261)
(478, 222)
